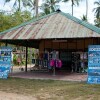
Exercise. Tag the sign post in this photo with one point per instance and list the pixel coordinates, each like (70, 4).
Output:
(5, 61)
(93, 64)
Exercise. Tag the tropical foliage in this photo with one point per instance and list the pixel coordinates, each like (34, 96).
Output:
(49, 6)
(97, 13)
(84, 18)
(19, 4)
(31, 4)
(97, 9)
(10, 20)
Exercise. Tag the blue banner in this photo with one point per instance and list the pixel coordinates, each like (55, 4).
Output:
(5, 61)
(94, 64)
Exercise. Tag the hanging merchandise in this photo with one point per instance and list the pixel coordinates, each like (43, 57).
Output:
(49, 67)
(85, 55)
(75, 61)
(82, 64)
(46, 55)
(40, 62)
(45, 62)
(50, 56)
(52, 62)
(55, 54)
(57, 63)
(82, 56)
(60, 63)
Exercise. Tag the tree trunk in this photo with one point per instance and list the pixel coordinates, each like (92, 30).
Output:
(86, 9)
(72, 6)
(19, 5)
(37, 8)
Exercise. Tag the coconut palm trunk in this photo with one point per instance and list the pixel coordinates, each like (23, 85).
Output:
(19, 5)
(72, 6)
(37, 1)
(86, 9)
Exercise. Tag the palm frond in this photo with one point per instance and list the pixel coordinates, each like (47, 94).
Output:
(97, 3)
(65, 0)
(15, 3)
(7, 0)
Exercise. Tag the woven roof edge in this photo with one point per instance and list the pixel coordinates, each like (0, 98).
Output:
(84, 23)
(25, 23)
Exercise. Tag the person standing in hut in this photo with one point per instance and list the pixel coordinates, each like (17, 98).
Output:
(19, 62)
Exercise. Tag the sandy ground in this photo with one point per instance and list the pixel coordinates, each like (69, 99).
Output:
(13, 96)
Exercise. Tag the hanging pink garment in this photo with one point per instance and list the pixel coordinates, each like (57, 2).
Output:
(59, 63)
(52, 62)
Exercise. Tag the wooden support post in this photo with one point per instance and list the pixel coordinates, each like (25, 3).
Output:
(26, 59)
(54, 71)
(84, 45)
(6, 43)
(76, 45)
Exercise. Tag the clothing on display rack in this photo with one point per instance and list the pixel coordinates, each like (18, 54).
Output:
(55, 54)
(56, 63)
(46, 55)
(75, 62)
(52, 62)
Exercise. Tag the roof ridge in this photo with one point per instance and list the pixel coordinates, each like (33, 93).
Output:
(27, 22)
(84, 23)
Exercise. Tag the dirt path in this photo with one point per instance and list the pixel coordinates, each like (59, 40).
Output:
(13, 96)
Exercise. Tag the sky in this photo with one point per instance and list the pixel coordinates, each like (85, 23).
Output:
(64, 7)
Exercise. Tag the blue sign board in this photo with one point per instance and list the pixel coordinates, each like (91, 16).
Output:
(5, 61)
(94, 64)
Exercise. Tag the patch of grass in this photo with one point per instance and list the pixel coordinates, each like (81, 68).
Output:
(51, 90)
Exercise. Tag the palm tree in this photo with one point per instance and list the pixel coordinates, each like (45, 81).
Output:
(97, 9)
(97, 13)
(33, 4)
(49, 6)
(37, 1)
(97, 22)
(84, 18)
(86, 9)
(30, 3)
(73, 3)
